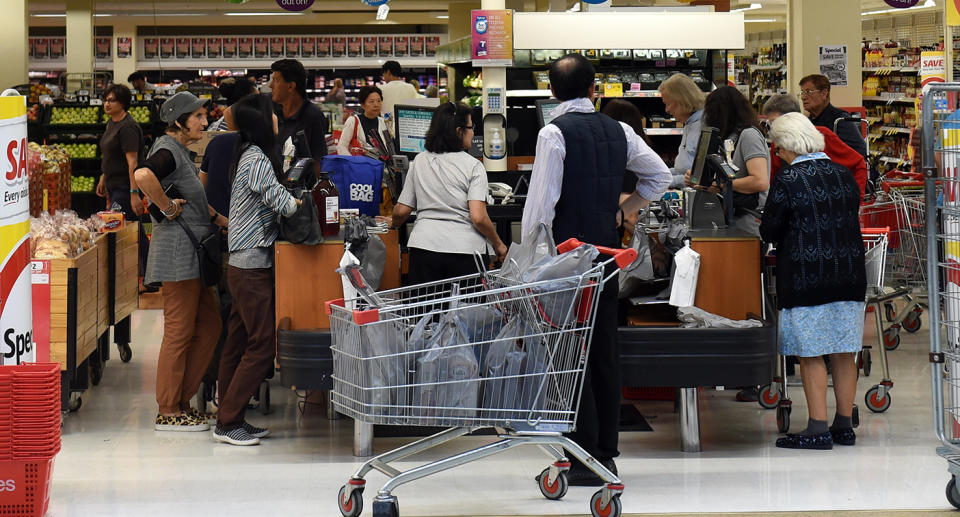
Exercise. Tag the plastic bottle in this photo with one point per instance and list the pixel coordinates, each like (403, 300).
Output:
(327, 198)
(496, 145)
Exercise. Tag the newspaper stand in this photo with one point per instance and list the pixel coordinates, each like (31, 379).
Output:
(384, 375)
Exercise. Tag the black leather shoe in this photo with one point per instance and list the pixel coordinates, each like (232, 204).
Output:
(610, 465)
(748, 395)
(843, 436)
(582, 476)
(817, 441)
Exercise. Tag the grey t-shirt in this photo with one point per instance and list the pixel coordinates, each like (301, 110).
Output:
(751, 144)
(439, 187)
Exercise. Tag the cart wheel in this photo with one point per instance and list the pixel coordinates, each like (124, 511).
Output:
(866, 362)
(913, 322)
(555, 491)
(891, 338)
(875, 402)
(890, 311)
(75, 404)
(125, 353)
(952, 494)
(612, 510)
(352, 506)
(96, 373)
(769, 397)
(783, 418)
(855, 416)
(386, 508)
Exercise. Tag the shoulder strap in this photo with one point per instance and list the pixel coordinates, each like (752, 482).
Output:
(190, 235)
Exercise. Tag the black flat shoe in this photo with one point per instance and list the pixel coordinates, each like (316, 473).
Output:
(582, 476)
(843, 436)
(748, 395)
(611, 466)
(795, 441)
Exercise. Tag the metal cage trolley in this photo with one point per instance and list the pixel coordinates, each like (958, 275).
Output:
(480, 351)
(941, 165)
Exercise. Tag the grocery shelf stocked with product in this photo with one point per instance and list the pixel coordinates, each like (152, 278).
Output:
(891, 86)
(763, 74)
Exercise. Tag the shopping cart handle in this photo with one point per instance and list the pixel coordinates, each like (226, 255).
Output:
(875, 231)
(623, 257)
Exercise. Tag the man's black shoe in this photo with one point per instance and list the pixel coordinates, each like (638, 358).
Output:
(611, 466)
(582, 476)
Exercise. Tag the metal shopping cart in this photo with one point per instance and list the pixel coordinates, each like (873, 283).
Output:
(775, 395)
(441, 354)
(941, 164)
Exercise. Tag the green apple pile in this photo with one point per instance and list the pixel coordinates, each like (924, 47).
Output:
(82, 184)
(141, 114)
(77, 151)
(74, 115)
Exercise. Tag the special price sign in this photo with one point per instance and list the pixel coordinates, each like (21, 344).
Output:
(492, 41)
(933, 68)
(16, 319)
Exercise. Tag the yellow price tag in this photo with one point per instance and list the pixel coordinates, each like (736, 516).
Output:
(613, 89)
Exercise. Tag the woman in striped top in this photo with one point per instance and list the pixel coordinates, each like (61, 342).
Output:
(256, 200)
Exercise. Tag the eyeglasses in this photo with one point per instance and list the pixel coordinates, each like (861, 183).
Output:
(807, 93)
(110, 99)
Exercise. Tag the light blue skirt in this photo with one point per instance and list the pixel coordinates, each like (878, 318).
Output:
(831, 328)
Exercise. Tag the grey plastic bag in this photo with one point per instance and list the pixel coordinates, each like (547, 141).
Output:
(513, 370)
(385, 367)
(536, 246)
(640, 271)
(556, 306)
(447, 376)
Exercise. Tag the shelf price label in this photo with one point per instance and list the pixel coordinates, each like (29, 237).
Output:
(613, 89)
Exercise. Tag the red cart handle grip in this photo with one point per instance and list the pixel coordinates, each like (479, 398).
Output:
(623, 257)
(875, 231)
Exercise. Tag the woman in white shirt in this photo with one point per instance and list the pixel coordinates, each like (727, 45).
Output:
(448, 189)
(367, 128)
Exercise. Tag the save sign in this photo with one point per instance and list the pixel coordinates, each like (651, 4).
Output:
(933, 68)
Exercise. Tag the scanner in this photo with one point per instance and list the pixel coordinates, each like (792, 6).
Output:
(707, 210)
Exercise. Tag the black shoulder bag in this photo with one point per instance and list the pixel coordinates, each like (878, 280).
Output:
(209, 254)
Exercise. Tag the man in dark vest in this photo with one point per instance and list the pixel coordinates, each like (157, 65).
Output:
(575, 189)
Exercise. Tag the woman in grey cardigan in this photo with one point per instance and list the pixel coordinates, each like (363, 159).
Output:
(191, 318)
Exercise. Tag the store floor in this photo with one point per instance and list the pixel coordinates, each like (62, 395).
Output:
(114, 464)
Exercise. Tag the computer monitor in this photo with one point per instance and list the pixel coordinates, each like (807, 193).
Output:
(410, 127)
(545, 110)
(706, 144)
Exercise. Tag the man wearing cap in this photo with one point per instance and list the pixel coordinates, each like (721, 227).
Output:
(191, 318)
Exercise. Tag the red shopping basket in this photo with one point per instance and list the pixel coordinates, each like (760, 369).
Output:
(25, 487)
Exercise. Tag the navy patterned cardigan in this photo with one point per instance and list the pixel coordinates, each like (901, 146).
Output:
(812, 215)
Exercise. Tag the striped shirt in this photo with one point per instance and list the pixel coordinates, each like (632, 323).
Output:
(546, 179)
(255, 200)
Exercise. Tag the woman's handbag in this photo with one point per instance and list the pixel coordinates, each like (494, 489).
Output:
(209, 254)
(303, 227)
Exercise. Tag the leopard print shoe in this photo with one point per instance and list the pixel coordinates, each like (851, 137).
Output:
(182, 422)
(203, 416)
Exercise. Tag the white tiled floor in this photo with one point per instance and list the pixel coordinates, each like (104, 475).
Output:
(113, 463)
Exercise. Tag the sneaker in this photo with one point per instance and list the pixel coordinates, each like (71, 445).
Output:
(203, 416)
(183, 422)
(256, 432)
(238, 436)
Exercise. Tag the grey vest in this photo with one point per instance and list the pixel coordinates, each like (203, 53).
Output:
(172, 256)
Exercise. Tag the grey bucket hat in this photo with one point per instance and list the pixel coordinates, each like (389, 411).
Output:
(183, 102)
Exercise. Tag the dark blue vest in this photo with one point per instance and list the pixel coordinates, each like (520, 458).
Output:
(593, 168)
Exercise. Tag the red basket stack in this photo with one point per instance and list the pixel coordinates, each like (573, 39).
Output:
(29, 436)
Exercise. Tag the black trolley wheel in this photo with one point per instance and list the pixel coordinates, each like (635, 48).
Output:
(866, 362)
(126, 354)
(783, 418)
(952, 494)
(386, 508)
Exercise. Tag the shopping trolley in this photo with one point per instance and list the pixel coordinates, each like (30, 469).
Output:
(775, 395)
(941, 164)
(525, 382)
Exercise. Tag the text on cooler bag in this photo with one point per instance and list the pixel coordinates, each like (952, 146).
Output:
(362, 192)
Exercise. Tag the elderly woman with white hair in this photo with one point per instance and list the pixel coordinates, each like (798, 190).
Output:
(812, 216)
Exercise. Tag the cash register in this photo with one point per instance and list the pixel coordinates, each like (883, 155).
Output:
(704, 209)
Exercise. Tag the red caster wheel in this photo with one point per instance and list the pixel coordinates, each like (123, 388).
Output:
(912, 323)
(613, 509)
(891, 338)
(876, 402)
(352, 505)
(553, 491)
(769, 397)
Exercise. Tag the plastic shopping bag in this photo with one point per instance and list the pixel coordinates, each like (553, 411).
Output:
(556, 305)
(641, 270)
(513, 368)
(386, 366)
(536, 245)
(447, 376)
(684, 286)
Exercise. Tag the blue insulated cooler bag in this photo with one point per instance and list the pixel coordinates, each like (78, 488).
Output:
(359, 180)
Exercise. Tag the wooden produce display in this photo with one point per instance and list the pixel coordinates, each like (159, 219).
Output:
(73, 308)
(126, 279)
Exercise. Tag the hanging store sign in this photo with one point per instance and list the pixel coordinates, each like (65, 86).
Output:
(294, 5)
(151, 47)
(933, 68)
(124, 47)
(492, 37)
(375, 3)
(16, 324)
(953, 12)
(902, 4)
(101, 48)
(731, 71)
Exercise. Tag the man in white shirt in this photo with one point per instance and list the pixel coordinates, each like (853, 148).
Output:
(395, 91)
(574, 189)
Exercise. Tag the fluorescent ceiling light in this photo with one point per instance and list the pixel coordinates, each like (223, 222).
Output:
(755, 5)
(102, 15)
(49, 15)
(759, 20)
(926, 5)
(262, 14)
(442, 16)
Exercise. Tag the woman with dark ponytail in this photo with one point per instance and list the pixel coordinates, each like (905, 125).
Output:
(448, 189)
(257, 199)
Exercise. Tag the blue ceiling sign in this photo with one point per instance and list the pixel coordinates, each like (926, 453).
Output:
(374, 3)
